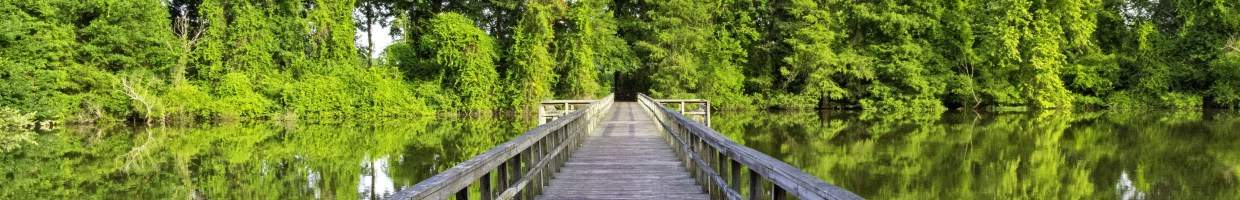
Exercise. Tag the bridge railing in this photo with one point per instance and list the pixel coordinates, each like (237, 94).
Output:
(702, 110)
(718, 163)
(515, 169)
(552, 109)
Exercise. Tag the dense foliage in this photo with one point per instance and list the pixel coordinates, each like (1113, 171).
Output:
(463, 57)
(1055, 154)
(165, 60)
(898, 55)
(246, 161)
(110, 60)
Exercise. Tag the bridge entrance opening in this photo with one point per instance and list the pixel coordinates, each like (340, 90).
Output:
(626, 85)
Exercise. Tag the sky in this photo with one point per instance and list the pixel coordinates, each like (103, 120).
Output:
(380, 34)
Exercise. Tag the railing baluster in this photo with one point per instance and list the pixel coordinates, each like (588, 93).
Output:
(501, 177)
(736, 175)
(713, 159)
(721, 161)
(528, 155)
(725, 162)
(514, 170)
(517, 169)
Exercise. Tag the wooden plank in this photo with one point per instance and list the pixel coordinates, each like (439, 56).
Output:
(681, 100)
(627, 156)
(569, 101)
(659, 191)
(445, 184)
(626, 197)
(790, 179)
(634, 181)
(628, 159)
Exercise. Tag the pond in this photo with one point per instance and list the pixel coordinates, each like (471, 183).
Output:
(955, 155)
(966, 155)
(246, 161)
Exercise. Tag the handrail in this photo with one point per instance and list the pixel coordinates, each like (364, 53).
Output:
(712, 154)
(702, 172)
(564, 108)
(703, 107)
(519, 167)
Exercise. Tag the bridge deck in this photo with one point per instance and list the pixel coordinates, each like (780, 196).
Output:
(628, 159)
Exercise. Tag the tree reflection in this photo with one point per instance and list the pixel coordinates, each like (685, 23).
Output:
(1033, 155)
(245, 161)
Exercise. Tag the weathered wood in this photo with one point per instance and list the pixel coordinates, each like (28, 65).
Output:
(553, 109)
(628, 159)
(641, 151)
(627, 197)
(780, 174)
(534, 171)
(703, 105)
(448, 182)
(687, 147)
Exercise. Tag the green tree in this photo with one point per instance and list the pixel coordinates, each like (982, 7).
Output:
(332, 30)
(463, 56)
(689, 55)
(893, 41)
(612, 54)
(64, 60)
(578, 65)
(34, 52)
(1043, 60)
(813, 34)
(1226, 88)
(530, 75)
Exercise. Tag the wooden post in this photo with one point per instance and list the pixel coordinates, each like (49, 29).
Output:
(542, 114)
(736, 175)
(707, 113)
(536, 180)
(514, 170)
(722, 162)
(501, 177)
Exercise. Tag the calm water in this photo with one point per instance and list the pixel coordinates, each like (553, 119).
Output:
(1050, 155)
(245, 161)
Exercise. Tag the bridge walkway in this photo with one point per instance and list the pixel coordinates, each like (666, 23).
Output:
(628, 159)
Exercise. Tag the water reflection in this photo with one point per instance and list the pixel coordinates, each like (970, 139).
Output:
(956, 155)
(246, 161)
(1039, 155)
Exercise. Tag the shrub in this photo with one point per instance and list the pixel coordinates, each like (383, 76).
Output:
(321, 97)
(237, 98)
(465, 55)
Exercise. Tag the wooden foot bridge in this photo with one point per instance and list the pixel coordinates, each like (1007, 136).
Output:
(600, 149)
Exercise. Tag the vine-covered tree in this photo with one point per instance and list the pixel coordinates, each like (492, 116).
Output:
(531, 74)
(118, 60)
(464, 57)
(578, 59)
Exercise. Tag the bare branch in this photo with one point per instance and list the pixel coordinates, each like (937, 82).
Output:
(129, 90)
